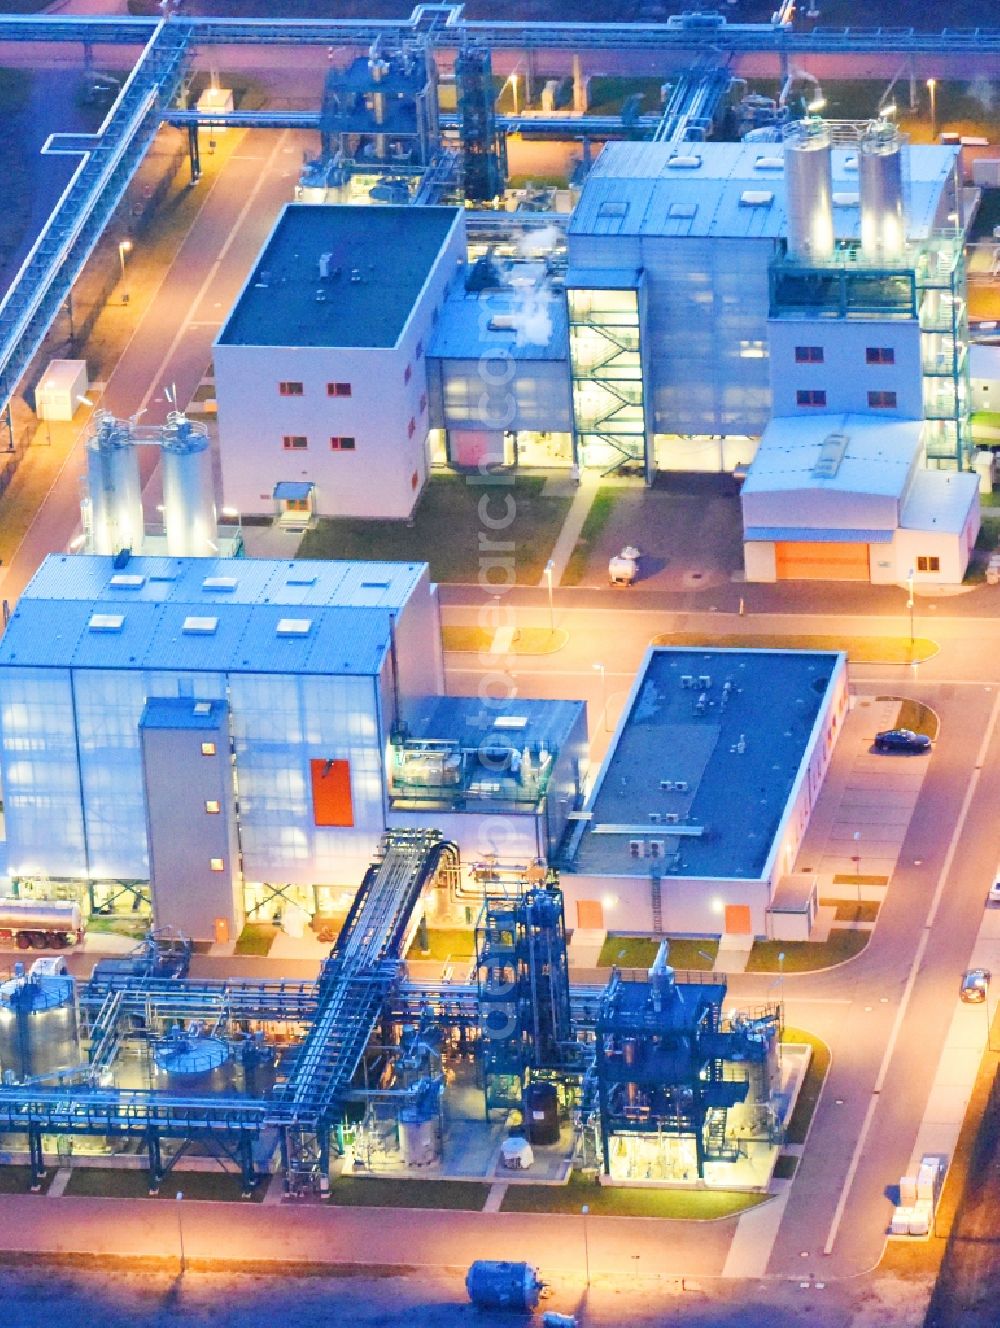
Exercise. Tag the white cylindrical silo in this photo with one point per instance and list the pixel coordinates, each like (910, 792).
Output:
(880, 184)
(114, 487)
(188, 490)
(809, 190)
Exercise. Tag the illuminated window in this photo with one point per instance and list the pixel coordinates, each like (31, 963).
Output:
(208, 749)
(216, 864)
(288, 389)
(880, 355)
(808, 354)
(881, 400)
(342, 443)
(810, 396)
(294, 442)
(212, 806)
(338, 389)
(928, 564)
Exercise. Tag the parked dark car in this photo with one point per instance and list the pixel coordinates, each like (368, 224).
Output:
(901, 740)
(975, 986)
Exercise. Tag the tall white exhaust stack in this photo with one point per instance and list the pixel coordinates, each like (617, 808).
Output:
(880, 182)
(809, 190)
(188, 492)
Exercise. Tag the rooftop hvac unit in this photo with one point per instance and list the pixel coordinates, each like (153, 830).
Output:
(672, 818)
(681, 786)
(687, 680)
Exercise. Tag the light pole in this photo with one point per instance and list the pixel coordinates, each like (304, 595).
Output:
(513, 90)
(857, 867)
(781, 998)
(586, 1241)
(549, 569)
(909, 603)
(599, 668)
(124, 247)
(932, 89)
(180, 1231)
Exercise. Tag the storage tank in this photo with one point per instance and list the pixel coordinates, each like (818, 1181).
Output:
(191, 1060)
(114, 487)
(38, 1027)
(494, 1284)
(419, 1139)
(880, 185)
(188, 489)
(541, 1112)
(809, 190)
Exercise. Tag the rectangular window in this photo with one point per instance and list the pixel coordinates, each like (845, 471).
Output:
(420, 349)
(808, 354)
(881, 400)
(411, 428)
(208, 749)
(338, 389)
(880, 355)
(343, 443)
(810, 396)
(216, 864)
(331, 792)
(290, 389)
(212, 806)
(928, 564)
(294, 442)
(407, 374)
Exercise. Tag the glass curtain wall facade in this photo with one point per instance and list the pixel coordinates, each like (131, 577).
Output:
(606, 363)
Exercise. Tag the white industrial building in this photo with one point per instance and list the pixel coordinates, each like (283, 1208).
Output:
(320, 369)
(231, 737)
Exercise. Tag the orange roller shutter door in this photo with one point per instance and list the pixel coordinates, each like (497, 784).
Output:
(331, 792)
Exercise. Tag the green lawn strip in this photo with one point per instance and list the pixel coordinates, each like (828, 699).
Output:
(117, 1183)
(851, 878)
(914, 715)
(17, 1180)
(384, 1192)
(812, 1085)
(594, 523)
(113, 924)
(445, 943)
(256, 938)
(626, 1201)
(527, 640)
(447, 530)
(860, 649)
(852, 911)
(640, 951)
(784, 1168)
(807, 956)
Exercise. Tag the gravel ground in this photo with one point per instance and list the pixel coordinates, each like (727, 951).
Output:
(34, 1299)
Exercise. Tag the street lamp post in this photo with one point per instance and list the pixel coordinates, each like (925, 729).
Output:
(857, 866)
(932, 89)
(781, 997)
(909, 601)
(180, 1231)
(513, 90)
(599, 668)
(586, 1241)
(549, 570)
(124, 247)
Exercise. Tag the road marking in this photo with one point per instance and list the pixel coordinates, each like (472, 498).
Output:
(925, 936)
(155, 382)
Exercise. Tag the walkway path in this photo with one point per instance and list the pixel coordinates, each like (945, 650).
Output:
(583, 498)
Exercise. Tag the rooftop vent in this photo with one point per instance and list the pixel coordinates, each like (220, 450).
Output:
(301, 579)
(756, 198)
(199, 626)
(106, 622)
(831, 454)
(769, 164)
(126, 581)
(684, 162)
(685, 211)
(510, 722)
(219, 583)
(293, 626)
(374, 585)
(202, 707)
(846, 199)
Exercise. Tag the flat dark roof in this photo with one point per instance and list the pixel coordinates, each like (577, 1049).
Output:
(710, 748)
(379, 259)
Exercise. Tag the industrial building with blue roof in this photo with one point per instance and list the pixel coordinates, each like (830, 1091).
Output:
(230, 737)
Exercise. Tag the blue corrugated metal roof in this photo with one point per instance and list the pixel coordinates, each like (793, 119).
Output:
(817, 535)
(182, 712)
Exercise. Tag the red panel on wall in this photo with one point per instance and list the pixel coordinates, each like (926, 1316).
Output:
(331, 790)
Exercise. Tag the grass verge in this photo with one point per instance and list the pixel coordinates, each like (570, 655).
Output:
(914, 715)
(113, 924)
(384, 1192)
(784, 1168)
(812, 1085)
(597, 518)
(453, 513)
(115, 1183)
(853, 911)
(625, 1201)
(445, 943)
(527, 640)
(17, 1180)
(860, 649)
(807, 956)
(256, 938)
(640, 951)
